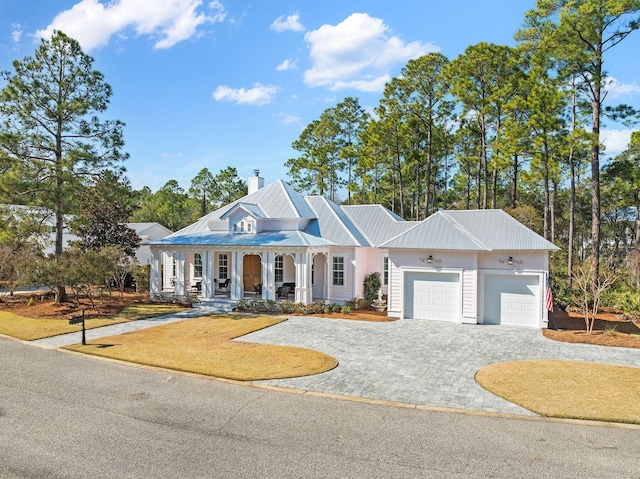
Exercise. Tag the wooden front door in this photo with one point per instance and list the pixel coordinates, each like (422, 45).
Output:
(251, 272)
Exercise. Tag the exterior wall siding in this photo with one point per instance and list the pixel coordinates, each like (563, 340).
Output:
(470, 296)
(341, 294)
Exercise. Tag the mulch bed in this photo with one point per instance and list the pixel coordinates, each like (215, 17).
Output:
(608, 329)
(47, 309)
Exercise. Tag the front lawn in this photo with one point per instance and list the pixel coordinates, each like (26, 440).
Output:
(23, 327)
(206, 346)
(567, 389)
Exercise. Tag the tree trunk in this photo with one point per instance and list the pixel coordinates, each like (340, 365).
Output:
(572, 192)
(595, 171)
(514, 181)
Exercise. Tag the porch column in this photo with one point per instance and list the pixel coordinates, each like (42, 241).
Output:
(155, 281)
(236, 275)
(181, 265)
(326, 276)
(268, 285)
(303, 278)
(207, 274)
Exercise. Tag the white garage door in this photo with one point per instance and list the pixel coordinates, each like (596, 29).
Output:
(431, 296)
(511, 300)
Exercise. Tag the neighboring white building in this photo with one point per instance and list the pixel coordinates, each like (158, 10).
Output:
(147, 232)
(479, 266)
(47, 239)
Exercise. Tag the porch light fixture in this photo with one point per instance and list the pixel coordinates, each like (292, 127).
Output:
(429, 259)
(510, 261)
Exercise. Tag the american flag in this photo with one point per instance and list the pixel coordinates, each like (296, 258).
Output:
(549, 296)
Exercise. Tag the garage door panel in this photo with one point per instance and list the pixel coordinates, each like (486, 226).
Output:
(432, 296)
(511, 300)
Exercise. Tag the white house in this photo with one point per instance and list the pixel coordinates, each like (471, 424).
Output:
(147, 232)
(47, 238)
(479, 266)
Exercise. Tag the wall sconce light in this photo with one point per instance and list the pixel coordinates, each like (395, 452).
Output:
(430, 259)
(510, 261)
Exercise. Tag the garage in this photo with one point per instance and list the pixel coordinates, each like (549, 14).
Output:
(432, 295)
(512, 300)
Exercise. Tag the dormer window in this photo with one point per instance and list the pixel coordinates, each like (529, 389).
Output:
(246, 225)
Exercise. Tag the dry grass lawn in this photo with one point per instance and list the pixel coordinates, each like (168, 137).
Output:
(567, 389)
(205, 346)
(17, 326)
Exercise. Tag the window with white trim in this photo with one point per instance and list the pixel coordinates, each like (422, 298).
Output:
(223, 266)
(197, 265)
(337, 271)
(278, 268)
(385, 270)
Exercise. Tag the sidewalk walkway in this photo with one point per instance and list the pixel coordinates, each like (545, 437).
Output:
(120, 328)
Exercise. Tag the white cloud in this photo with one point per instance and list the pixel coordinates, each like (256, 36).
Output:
(615, 89)
(615, 141)
(288, 119)
(357, 53)
(288, 64)
(258, 95)
(291, 23)
(170, 21)
(16, 32)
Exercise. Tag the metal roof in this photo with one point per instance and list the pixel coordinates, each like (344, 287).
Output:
(333, 223)
(470, 230)
(271, 238)
(377, 223)
(253, 209)
(277, 200)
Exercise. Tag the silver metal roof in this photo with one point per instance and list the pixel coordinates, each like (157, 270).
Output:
(333, 223)
(271, 238)
(254, 209)
(471, 230)
(377, 223)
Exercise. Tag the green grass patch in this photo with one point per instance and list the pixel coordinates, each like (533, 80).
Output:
(567, 389)
(205, 346)
(22, 327)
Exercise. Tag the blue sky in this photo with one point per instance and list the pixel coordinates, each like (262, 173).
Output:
(203, 83)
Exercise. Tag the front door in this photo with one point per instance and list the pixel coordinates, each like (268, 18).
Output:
(251, 272)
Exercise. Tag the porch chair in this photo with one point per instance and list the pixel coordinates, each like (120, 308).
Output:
(292, 288)
(225, 284)
(257, 288)
(282, 292)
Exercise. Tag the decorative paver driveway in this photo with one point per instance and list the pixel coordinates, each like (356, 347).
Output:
(422, 362)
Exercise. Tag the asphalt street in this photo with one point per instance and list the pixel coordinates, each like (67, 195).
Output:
(69, 416)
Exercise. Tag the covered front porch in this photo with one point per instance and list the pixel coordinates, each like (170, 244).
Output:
(294, 274)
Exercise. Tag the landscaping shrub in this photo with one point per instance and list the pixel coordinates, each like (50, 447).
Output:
(372, 285)
(628, 303)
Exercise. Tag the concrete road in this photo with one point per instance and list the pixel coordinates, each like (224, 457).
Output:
(69, 416)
